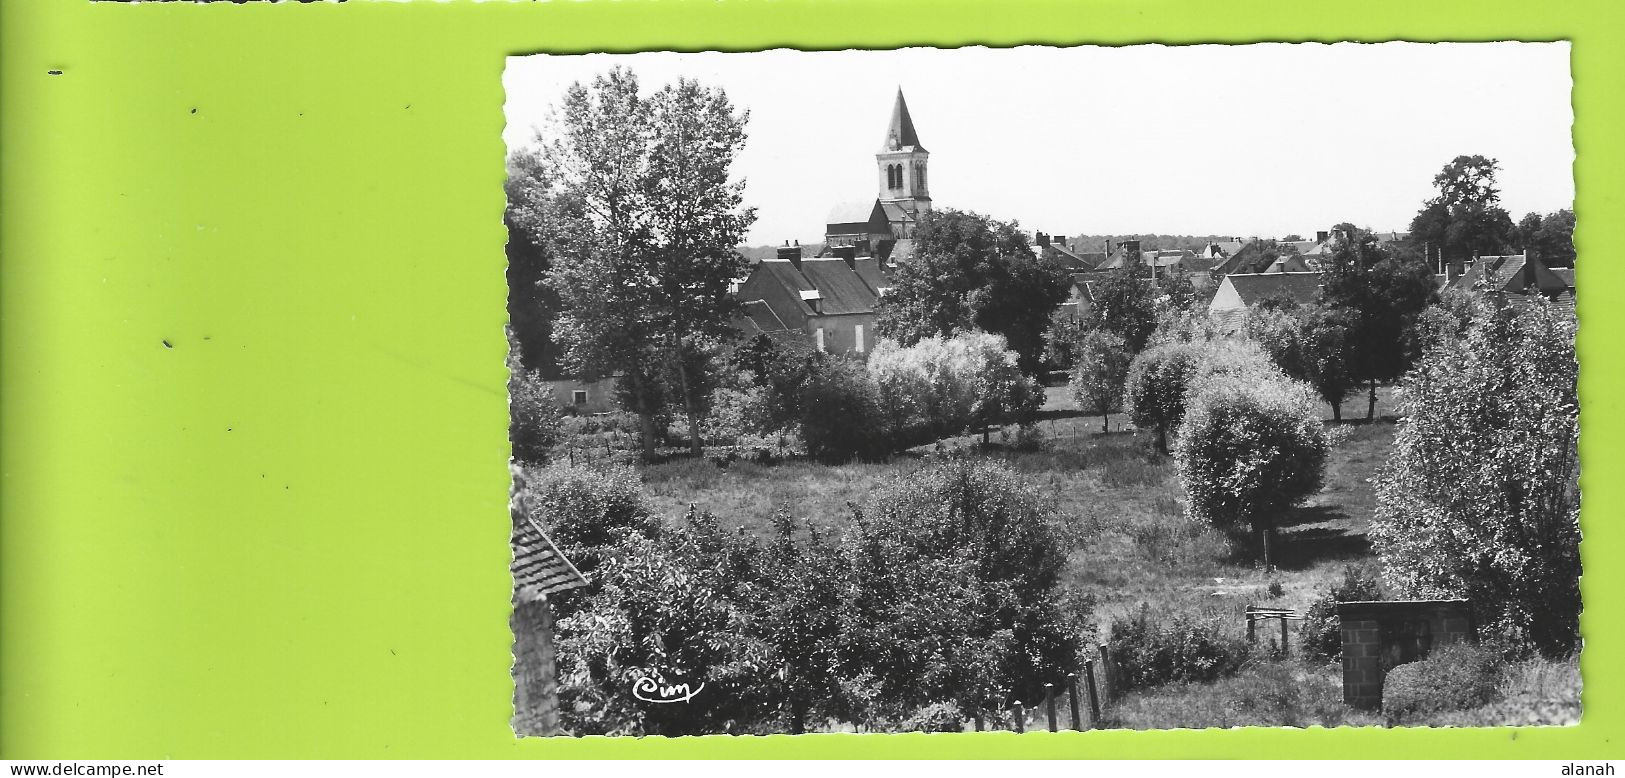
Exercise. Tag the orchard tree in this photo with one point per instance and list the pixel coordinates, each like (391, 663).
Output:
(1378, 298)
(1480, 497)
(643, 274)
(972, 272)
(1311, 344)
(1097, 377)
(1250, 449)
(1157, 384)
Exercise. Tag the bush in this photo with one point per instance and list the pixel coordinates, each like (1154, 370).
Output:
(1321, 633)
(534, 418)
(957, 597)
(1454, 677)
(1480, 497)
(1250, 449)
(586, 511)
(940, 387)
(839, 412)
(1152, 650)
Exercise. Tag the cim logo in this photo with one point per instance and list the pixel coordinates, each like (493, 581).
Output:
(655, 689)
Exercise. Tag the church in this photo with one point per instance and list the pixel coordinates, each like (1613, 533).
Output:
(883, 227)
(828, 301)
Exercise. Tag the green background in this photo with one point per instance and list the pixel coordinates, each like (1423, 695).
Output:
(285, 535)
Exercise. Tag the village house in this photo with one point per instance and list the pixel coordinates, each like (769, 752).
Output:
(829, 300)
(1515, 276)
(1239, 292)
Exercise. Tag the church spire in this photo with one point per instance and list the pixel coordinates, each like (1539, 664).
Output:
(900, 135)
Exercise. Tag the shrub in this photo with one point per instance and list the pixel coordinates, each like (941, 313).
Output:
(586, 511)
(1249, 450)
(534, 418)
(1152, 650)
(1156, 387)
(1454, 677)
(1269, 694)
(957, 596)
(839, 415)
(943, 386)
(1321, 633)
(936, 717)
(1480, 497)
(1102, 364)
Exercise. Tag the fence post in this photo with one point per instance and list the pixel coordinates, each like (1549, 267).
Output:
(1252, 636)
(1109, 686)
(1072, 700)
(1020, 717)
(978, 720)
(1284, 651)
(1049, 706)
(1094, 696)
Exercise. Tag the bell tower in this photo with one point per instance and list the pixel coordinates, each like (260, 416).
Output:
(902, 163)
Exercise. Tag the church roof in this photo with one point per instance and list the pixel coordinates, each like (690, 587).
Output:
(902, 128)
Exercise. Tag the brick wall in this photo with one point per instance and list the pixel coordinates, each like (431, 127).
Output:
(1377, 636)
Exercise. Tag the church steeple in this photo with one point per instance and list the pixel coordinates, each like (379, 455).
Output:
(902, 164)
(900, 134)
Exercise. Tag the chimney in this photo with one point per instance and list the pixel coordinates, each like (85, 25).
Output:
(792, 253)
(1058, 239)
(1530, 284)
(1108, 247)
(848, 254)
(1041, 239)
(1321, 235)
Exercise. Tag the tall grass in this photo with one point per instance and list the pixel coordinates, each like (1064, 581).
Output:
(1270, 694)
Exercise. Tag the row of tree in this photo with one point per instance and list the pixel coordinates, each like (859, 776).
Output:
(940, 602)
(1465, 219)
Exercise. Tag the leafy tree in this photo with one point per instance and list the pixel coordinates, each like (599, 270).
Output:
(1549, 238)
(958, 596)
(940, 387)
(1310, 344)
(838, 411)
(1480, 496)
(971, 272)
(1250, 448)
(1126, 306)
(1465, 219)
(1097, 378)
(1378, 297)
(652, 254)
(802, 606)
(1157, 384)
(534, 418)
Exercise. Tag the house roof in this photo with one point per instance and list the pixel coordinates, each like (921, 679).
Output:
(539, 568)
(759, 318)
(895, 212)
(1505, 274)
(1565, 273)
(838, 287)
(901, 127)
(898, 250)
(855, 212)
(1252, 287)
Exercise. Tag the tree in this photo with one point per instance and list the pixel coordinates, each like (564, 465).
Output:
(1250, 448)
(1310, 344)
(1157, 384)
(957, 593)
(944, 386)
(1097, 379)
(1379, 297)
(651, 257)
(1465, 219)
(1480, 497)
(1126, 306)
(972, 272)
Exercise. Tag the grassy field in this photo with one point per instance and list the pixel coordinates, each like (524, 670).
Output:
(1123, 497)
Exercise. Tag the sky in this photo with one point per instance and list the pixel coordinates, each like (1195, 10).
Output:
(1256, 140)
